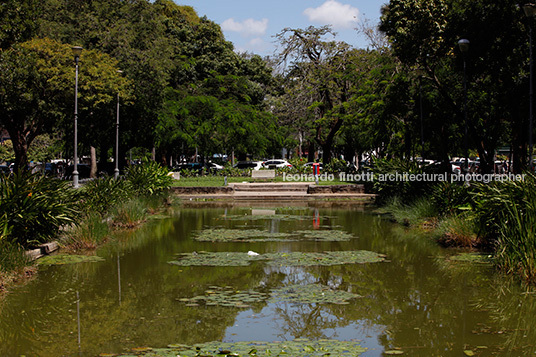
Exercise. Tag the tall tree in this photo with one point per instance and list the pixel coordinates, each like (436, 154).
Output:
(424, 34)
(323, 64)
(37, 89)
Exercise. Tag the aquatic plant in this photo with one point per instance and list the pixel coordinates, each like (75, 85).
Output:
(298, 347)
(506, 212)
(129, 213)
(304, 294)
(256, 235)
(278, 259)
(88, 234)
(62, 259)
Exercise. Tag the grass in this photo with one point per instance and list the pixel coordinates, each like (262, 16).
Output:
(15, 265)
(416, 214)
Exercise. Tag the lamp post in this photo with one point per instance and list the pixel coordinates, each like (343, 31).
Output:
(116, 170)
(464, 48)
(420, 73)
(77, 51)
(530, 12)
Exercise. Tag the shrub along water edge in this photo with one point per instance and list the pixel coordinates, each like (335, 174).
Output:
(497, 215)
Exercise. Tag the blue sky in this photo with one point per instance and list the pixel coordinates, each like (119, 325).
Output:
(251, 24)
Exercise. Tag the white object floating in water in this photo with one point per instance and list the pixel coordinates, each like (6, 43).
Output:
(252, 253)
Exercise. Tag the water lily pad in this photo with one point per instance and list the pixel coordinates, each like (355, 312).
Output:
(306, 294)
(323, 259)
(62, 259)
(302, 347)
(312, 293)
(264, 217)
(327, 235)
(239, 235)
(256, 235)
(279, 259)
(215, 259)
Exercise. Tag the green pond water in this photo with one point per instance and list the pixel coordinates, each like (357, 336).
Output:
(322, 274)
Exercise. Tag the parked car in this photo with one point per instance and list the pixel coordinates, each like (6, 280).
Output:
(84, 171)
(211, 166)
(253, 165)
(276, 164)
(192, 166)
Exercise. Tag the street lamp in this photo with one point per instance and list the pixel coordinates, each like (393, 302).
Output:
(420, 72)
(464, 48)
(530, 12)
(77, 51)
(116, 171)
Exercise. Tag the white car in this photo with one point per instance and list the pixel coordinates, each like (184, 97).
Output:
(253, 165)
(276, 164)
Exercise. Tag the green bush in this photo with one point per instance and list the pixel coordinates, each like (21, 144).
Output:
(101, 194)
(35, 207)
(458, 231)
(148, 178)
(130, 213)
(451, 198)
(413, 214)
(506, 214)
(406, 190)
(89, 233)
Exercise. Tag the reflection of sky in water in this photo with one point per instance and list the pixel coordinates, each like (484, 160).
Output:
(266, 326)
(286, 321)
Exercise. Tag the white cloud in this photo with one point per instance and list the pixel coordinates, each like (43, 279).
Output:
(333, 13)
(255, 45)
(247, 28)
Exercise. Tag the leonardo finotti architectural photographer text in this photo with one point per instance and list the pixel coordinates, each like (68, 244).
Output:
(404, 177)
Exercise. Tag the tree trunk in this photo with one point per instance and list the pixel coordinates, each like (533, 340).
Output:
(20, 146)
(93, 156)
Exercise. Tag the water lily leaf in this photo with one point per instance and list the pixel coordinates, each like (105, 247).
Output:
(62, 259)
(279, 259)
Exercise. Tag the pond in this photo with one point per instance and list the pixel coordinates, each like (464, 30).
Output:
(180, 281)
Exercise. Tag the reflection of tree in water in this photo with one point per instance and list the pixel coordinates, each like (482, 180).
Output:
(305, 321)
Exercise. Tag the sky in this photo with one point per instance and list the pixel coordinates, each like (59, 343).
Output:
(251, 24)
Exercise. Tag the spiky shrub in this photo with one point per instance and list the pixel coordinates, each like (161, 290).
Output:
(148, 178)
(406, 190)
(91, 232)
(451, 198)
(4, 227)
(506, 212)
(414, 214)
(129, 213)
(458, 231)
(99, 195)
(36, 207)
